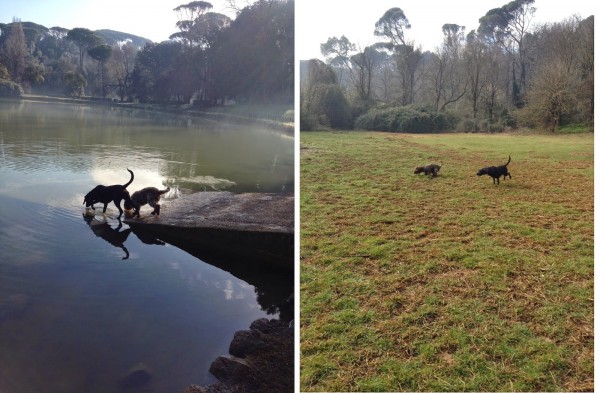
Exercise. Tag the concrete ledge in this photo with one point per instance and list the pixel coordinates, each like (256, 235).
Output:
(257, 227)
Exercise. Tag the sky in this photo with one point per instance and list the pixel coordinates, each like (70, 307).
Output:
(318, 20)
(152, 19)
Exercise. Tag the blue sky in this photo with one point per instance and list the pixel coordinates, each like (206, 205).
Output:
(152, 19)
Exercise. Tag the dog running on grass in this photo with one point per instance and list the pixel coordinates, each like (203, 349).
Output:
(107, 194)
(496, 171)
(431, 169)
(148, 195)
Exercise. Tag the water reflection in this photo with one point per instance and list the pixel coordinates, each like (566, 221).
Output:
(114, 236)
(273, 286)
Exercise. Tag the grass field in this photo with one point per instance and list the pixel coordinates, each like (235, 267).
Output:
(411, 283)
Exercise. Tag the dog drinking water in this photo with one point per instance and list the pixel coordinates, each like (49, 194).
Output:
(107, 194)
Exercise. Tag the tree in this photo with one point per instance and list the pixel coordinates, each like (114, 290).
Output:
(446, 68)
(552, 94)
(508, 26)
(101, 54)
(156, 71)
(16, 52)
(189, 14)
(391, 26)
(364, 64)
(337, 52)
(322, 100)
(74, 84)
(84, 39)
(254, 58)
(475, 58)
(120, 66)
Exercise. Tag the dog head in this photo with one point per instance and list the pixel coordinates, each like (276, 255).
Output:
(482, 171)
(419, 169)
(89, 199)
(128, 203)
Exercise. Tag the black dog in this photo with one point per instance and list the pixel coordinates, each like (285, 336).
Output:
(496, 171)
(148, 195)
(106, 194)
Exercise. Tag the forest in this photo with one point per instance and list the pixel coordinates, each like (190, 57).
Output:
(507, 74)
(209, 60)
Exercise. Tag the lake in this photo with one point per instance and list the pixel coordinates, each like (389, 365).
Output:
(85, 301)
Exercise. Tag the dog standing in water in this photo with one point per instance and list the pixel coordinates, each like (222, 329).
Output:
(148, 195)
(107, 194)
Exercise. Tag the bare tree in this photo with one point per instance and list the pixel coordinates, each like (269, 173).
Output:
(552, 94)
(475, 58)
(446, 71)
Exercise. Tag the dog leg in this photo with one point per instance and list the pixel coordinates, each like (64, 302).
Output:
(117, 204)
(156, 207)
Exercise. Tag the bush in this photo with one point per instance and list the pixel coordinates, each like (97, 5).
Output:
(326, 107)
(10, 89)
(406, 119)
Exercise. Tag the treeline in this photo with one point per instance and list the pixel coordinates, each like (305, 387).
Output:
(210, 59)
(505, 74)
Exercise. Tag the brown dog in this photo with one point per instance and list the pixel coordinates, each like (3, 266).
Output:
(148, 195)
(431, 169)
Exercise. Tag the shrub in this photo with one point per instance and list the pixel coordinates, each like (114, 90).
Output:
(406, 119)
(10, 89)
(326, 106)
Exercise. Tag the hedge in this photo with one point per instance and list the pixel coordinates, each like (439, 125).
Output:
(406, 119)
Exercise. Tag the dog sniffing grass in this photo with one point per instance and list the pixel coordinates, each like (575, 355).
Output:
(448, 285)
(430, 169)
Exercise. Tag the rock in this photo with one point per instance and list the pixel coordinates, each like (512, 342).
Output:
(137, 376)
(263, 325)
(246, 342)
(230, 370)
(195, 389)
(267, 366)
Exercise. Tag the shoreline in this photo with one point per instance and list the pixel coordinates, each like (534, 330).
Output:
(271, 123)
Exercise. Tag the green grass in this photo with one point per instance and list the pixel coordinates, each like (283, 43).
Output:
(447, 284)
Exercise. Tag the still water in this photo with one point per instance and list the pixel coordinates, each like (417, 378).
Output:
(74, 314)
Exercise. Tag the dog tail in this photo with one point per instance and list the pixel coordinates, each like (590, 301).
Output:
(165, 190)
(130, 180)
(508, 160)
